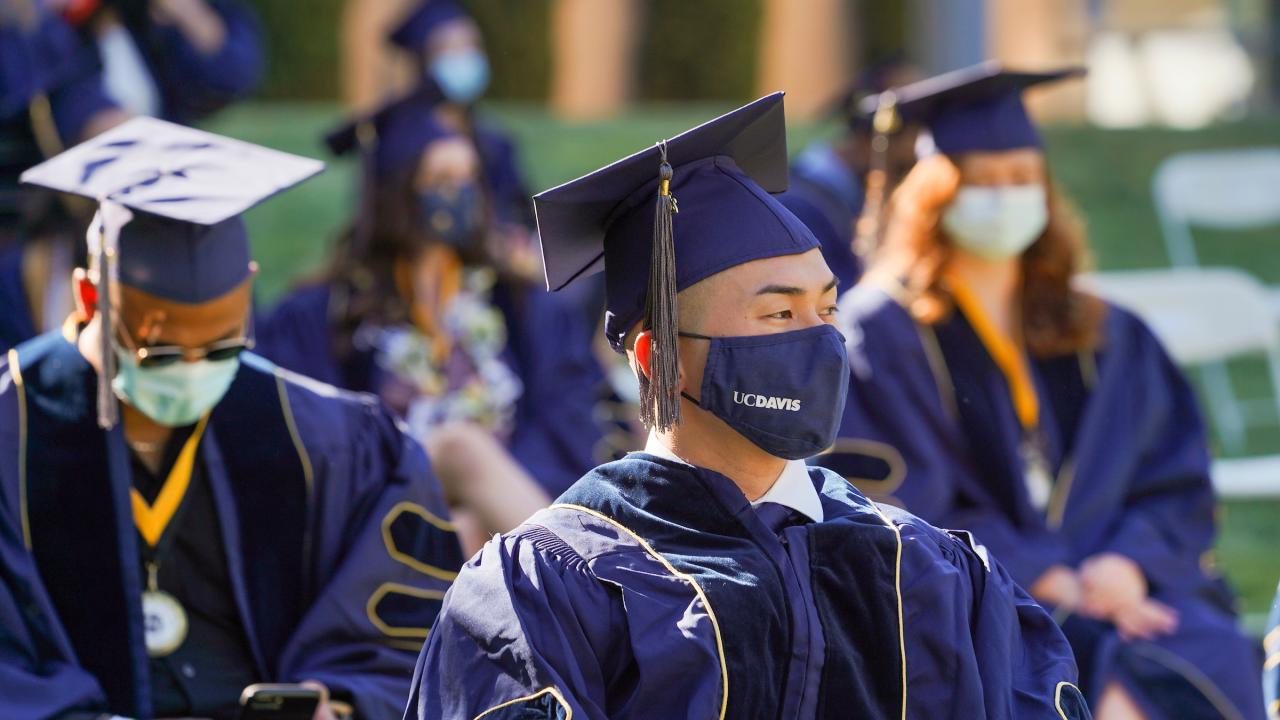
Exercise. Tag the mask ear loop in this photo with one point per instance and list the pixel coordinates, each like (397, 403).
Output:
(694, 336)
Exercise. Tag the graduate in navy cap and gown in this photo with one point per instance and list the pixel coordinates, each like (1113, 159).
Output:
(989, 394)
(714, 575)
(446, 44)
(50, 96)
(423, 306)
(178, 517)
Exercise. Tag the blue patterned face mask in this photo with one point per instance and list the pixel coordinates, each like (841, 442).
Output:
(783, 392)
(462, 75)
(175, 394)
(455, 214)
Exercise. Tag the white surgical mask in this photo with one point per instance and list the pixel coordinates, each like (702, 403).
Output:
(176, 394)
(997, 223)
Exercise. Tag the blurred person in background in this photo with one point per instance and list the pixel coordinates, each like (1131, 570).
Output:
(180, 60)
(179, 518)
(829, 179)
(991, 395)
(51, 96)
(446, 45)
(423, 306)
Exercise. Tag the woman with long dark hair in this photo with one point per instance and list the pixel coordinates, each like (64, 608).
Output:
(428, 307)
(990, 394)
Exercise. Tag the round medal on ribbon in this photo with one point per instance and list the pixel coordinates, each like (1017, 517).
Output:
(164, 623)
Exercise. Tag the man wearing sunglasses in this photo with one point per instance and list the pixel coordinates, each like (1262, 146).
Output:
(178, 518)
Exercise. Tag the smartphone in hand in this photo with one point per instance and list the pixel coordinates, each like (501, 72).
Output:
(267, 701)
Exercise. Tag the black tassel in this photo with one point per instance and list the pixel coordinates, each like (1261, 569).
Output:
(108, 409)
(660, 396)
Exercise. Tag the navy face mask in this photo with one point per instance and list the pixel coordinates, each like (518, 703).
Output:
(783, 392)
(455, 215)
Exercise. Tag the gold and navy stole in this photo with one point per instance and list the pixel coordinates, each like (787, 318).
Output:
(979, 386)
(80, 526)
(691, 517)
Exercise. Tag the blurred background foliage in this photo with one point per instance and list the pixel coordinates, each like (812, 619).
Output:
(304, 66)
(716, 61)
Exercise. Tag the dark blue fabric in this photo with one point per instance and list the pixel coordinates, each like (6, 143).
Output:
(194, 85)
(499, 157)
(725, 219)
(45, 60)
(784, 392)
(183, 261)
(42, 59)
(301, 538)
(15, 320)
(1127, 448)
(820, 166)
(557, 436)
(401, 130)
(1000, 123)
(582, 600)
(830, 222)
(977, 108)
(426, 17)
(722, 173)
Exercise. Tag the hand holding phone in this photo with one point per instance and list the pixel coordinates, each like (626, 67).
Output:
(283, 701)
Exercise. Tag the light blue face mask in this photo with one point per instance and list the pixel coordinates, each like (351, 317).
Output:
(462, 75)
(176, 394)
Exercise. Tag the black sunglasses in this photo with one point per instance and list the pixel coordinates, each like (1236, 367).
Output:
(162, 355)
(154, 356)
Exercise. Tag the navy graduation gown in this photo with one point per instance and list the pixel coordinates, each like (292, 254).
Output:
(830, 222)
(332, 526)
(557, 436)
(653, 589)
(15, 319)
(192, 84)
(929, 425)
(502, 175)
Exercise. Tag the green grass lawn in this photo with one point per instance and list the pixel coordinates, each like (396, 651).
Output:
(1107, 173)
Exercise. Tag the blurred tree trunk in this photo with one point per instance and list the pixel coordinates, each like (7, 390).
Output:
(806, 49)
(593, 57)
(1042, 35)
(372, 69)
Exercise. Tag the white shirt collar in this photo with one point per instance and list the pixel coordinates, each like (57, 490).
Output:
(793, 488)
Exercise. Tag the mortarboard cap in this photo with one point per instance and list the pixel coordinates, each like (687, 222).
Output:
(720, 175)
(169, 199)
(394, 136)
(416, 28)
(975, 108)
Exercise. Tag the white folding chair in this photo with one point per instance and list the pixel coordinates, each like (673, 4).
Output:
(1205, 316)
(1224, 190)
